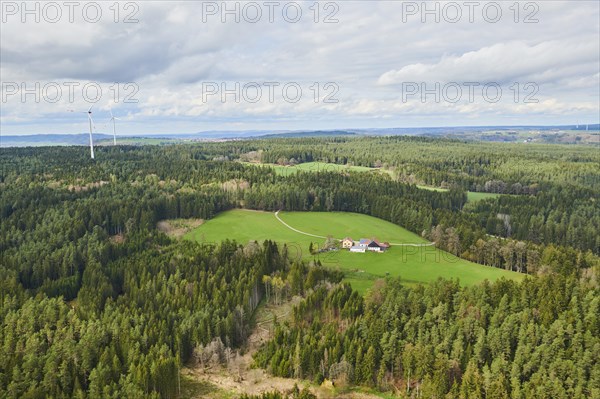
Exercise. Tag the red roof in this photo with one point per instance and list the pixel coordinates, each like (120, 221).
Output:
(382, 245)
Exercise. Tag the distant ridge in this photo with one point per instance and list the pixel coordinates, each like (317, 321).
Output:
(315, 133)
(459, 132)
(41, 140)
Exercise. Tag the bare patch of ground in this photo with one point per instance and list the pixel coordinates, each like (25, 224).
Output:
(77, 186)
(54, 184)
(117, 238)
(85, 187)
(235, 185)
(176, 228)
(239, 377)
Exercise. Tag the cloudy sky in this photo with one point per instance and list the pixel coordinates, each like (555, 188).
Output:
(165, 66)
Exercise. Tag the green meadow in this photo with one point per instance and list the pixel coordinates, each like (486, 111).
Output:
(313, 167)
(474, 196)
(413, 264)
(471, 195)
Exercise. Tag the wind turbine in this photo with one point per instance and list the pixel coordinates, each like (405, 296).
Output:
(89, 113)
(91, 122)
(113, 119)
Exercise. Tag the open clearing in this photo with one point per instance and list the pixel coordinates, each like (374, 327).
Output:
(471, 195)
(474, 196)
(239, 376)
(414, 264)
(176, 228)
(315, 167)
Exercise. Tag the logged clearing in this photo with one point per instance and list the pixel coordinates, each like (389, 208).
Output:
(177, 228)
(239, 376)
(414, 264)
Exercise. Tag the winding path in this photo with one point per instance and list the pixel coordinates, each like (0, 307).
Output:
(317, 236)
(293, 229)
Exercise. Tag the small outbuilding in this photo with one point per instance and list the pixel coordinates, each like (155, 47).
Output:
(358, 248)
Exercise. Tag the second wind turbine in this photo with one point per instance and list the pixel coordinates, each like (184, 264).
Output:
(113, 119)
(89, 113)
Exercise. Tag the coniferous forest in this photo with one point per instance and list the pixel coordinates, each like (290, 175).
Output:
(96, 302)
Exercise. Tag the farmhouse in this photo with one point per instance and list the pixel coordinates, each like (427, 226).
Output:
(377, 246)
(374, 247)
(364, 244)
(347, 243)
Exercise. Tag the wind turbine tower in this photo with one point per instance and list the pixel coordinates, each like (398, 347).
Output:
(91, 122)
(113, 119)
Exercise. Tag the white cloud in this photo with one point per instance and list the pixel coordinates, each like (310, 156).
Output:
(505, 62)
(369, 53)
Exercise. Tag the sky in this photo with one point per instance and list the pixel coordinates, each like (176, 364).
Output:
(192, 66)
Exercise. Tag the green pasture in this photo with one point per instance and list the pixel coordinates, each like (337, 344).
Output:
(471, 195)
(412, 264)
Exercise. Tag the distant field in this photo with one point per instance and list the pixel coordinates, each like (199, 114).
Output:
(413, 264)
(314, 167)
(333, 167)
(471, 195)
(137, 141)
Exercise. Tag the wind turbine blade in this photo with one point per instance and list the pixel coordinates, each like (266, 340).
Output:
(90, 109)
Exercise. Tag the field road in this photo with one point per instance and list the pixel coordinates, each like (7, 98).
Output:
(317, 236)
(293, 229)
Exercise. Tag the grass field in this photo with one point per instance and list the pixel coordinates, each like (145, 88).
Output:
(413, 264)
(138, 141)
(471, 195)
(313, 167)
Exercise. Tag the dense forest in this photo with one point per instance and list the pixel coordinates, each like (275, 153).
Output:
(135, 320)
(95, 302)
(539, 338)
